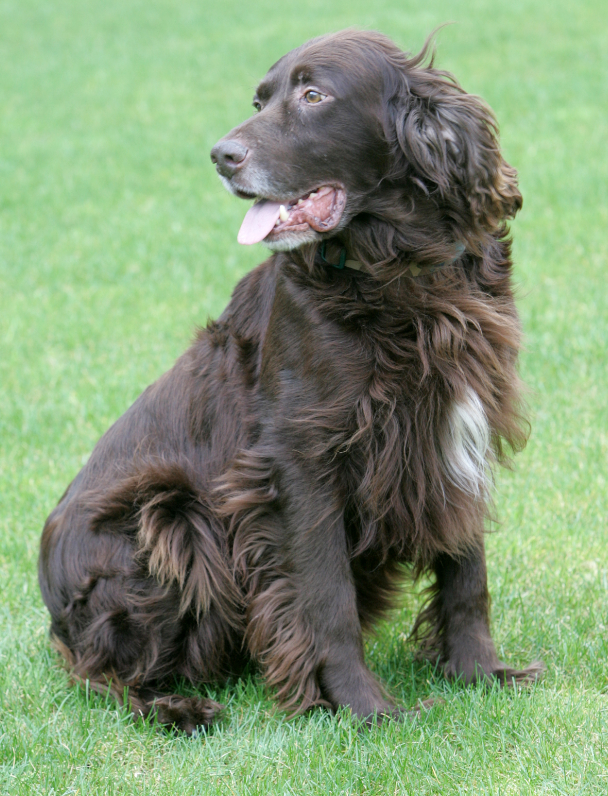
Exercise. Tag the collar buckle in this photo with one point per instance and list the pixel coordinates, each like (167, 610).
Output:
(340, 263)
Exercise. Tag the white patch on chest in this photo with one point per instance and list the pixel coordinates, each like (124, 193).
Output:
(465, 445)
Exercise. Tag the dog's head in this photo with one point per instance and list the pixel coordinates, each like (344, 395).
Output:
(349, 133)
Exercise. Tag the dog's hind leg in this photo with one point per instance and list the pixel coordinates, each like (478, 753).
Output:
(143, 594)
(169, 710)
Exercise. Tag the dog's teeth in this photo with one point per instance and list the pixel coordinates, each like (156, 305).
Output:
(312, 195)
(283, 214)
(277, 222)
(300, 201)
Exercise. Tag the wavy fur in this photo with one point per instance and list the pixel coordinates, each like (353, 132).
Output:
(331, 433)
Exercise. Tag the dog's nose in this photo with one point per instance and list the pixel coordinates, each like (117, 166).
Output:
(228, 157)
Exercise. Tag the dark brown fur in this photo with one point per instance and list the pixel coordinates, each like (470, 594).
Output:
(265, 497)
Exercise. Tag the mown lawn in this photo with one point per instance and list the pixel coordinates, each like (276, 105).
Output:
(116, 239)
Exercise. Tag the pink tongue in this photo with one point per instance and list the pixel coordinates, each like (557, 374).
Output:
(258, 222)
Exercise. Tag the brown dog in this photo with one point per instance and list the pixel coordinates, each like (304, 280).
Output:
(334, 429)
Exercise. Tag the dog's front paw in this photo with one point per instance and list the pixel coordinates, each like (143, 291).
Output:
(400, 713)
(473, 671)
(507, 676)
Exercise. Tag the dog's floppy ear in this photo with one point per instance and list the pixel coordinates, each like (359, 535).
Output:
(447, 141)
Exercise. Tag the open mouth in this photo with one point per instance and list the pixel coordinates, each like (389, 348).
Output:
(320, 210)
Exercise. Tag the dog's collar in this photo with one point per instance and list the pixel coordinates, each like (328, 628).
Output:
(355, 265)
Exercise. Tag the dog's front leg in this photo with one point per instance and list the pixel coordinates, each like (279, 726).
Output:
(303, 622)
(458, 616)
(343, 675)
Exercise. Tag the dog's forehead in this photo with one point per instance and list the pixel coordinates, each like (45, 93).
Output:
(344, 59)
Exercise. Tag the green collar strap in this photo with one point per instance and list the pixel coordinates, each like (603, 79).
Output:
(355, 265)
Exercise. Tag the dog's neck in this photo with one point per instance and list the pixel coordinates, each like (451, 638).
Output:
(333, 254)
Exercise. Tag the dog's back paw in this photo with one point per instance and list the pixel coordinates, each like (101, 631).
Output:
(186, 714)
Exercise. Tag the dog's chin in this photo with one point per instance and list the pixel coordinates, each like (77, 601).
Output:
(288, 241)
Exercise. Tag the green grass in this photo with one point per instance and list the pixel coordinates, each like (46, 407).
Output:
(116, 239)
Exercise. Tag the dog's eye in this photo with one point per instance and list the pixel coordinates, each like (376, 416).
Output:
(313, 97)
(257, 105)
